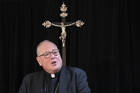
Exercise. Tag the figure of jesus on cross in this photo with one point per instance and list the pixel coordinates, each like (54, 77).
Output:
(63, 26)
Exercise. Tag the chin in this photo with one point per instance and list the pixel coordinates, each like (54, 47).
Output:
(56, 69)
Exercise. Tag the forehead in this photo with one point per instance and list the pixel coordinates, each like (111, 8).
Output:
(47, 46)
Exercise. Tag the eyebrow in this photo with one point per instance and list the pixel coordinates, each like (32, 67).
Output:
(49, 51)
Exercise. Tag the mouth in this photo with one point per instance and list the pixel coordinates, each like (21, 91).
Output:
(53, 62)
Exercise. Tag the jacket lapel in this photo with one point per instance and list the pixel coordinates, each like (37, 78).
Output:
(64, 80)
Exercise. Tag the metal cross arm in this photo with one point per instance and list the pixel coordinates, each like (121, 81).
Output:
(48, 24)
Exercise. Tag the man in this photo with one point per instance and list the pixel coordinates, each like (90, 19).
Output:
(54, 78)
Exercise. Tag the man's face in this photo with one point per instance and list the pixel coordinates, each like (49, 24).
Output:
(49, 57)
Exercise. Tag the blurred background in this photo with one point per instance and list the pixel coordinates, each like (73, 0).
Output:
(106, 47)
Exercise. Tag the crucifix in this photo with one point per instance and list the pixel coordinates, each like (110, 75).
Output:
(63, 26)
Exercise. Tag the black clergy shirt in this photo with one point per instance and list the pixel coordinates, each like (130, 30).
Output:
(51, 84)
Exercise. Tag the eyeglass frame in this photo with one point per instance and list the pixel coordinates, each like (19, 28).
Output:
(49, 53)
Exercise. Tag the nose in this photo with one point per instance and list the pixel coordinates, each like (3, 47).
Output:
(52, 57)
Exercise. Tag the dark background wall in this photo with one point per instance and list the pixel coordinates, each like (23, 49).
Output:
(106, 47)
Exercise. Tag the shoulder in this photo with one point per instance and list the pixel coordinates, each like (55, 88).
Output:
(33, 75)
(75, 70)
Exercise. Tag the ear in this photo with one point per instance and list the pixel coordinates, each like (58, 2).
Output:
(39, 61)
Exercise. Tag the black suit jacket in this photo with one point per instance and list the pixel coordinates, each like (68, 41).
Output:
(71, 80)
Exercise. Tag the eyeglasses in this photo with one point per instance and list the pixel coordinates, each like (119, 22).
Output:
(55, 52)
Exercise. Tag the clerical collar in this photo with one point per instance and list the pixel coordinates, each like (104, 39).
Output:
(52, 76)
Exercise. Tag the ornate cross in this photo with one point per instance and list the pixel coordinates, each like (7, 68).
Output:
(63, 26)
